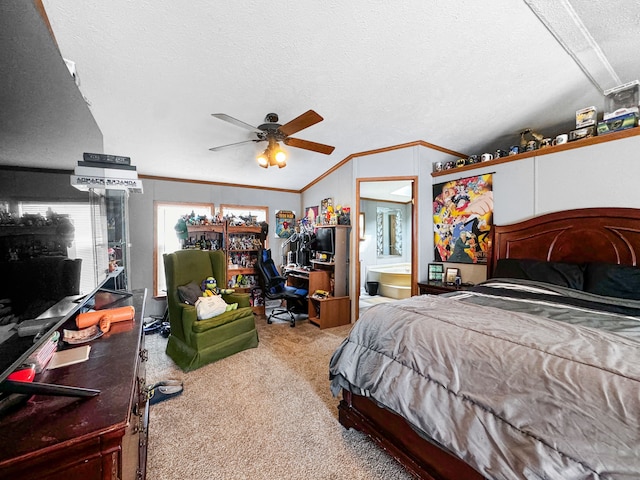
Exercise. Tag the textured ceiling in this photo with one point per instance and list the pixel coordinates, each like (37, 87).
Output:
(464, 75)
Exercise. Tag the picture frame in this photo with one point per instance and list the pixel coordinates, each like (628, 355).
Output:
(326, 205)
(435, 272)
(450, 275)
(311, 214)
(285, 223)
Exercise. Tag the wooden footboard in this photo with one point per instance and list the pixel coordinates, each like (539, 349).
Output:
(391, 432)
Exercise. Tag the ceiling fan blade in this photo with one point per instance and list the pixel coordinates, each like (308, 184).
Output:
(300, 123)
(307, 145)
(222, 147)
(236, 122)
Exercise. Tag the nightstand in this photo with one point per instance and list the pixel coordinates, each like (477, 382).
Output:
(438, 288)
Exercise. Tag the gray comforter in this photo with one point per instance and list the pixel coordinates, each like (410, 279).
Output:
(513, 394)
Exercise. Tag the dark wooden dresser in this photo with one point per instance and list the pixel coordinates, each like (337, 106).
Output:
(438, 288)
(102, 437)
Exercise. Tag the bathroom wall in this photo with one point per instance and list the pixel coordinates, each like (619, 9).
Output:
(368, 246)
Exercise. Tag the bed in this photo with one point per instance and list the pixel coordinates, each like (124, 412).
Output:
(532, 374)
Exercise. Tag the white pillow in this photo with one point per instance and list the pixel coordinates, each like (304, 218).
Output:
(209, 307)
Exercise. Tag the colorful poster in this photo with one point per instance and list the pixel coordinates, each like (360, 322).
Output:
(326, 208)
(462, 219)
(285, 223)
(311, 214)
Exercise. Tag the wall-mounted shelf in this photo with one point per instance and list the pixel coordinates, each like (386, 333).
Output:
(544, 151)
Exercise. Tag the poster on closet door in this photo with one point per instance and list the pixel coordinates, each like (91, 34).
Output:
(285, 223)
(462, 219)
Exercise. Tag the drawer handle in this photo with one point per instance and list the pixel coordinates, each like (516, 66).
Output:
(138, 410)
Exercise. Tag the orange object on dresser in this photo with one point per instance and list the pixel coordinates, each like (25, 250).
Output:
(105, 317)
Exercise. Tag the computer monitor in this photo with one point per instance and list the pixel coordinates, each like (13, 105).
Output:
(324, 242)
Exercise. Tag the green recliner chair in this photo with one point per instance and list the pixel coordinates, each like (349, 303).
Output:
(192, 342)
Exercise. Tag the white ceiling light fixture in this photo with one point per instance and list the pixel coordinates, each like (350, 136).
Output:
(563, 22)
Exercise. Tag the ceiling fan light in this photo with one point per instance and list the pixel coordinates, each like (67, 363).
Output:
(282, 164)
(263, 161)
(281, 157)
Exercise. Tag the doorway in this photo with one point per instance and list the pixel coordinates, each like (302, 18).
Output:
(386, 257)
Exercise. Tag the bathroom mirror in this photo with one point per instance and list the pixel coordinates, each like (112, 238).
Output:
(389, 231)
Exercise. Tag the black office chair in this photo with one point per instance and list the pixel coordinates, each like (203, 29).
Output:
(275, 287)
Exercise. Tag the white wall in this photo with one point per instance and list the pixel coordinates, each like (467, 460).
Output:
(338, 185)
(602, 175)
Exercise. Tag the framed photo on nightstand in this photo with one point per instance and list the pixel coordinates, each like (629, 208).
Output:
(450, 276)
(435, 272)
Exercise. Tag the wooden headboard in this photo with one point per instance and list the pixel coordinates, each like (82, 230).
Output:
(609, 235)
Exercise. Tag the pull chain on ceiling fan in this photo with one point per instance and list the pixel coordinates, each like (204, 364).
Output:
(273, 133)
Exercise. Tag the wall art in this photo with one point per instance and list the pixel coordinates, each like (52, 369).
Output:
(462, 219)
(285, 223)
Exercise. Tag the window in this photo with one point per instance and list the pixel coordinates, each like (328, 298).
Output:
(245, 211)
(83, 245)
(166, 240)
(240, 211)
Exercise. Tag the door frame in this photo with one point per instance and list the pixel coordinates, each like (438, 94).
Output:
(414, 232)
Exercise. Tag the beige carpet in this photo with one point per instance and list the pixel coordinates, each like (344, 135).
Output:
(265, 413)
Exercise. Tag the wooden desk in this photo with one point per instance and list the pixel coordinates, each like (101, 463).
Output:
(329, 312)
(310, 280)
(98, 438)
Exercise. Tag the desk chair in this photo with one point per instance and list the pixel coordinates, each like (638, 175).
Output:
(275, 287)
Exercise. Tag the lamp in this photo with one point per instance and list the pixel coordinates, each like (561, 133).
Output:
(263, 159)
(273, 155)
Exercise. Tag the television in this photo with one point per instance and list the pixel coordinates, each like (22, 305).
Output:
(324, 242)
(15, 350)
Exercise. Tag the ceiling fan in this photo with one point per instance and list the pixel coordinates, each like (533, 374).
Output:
(272, 132)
